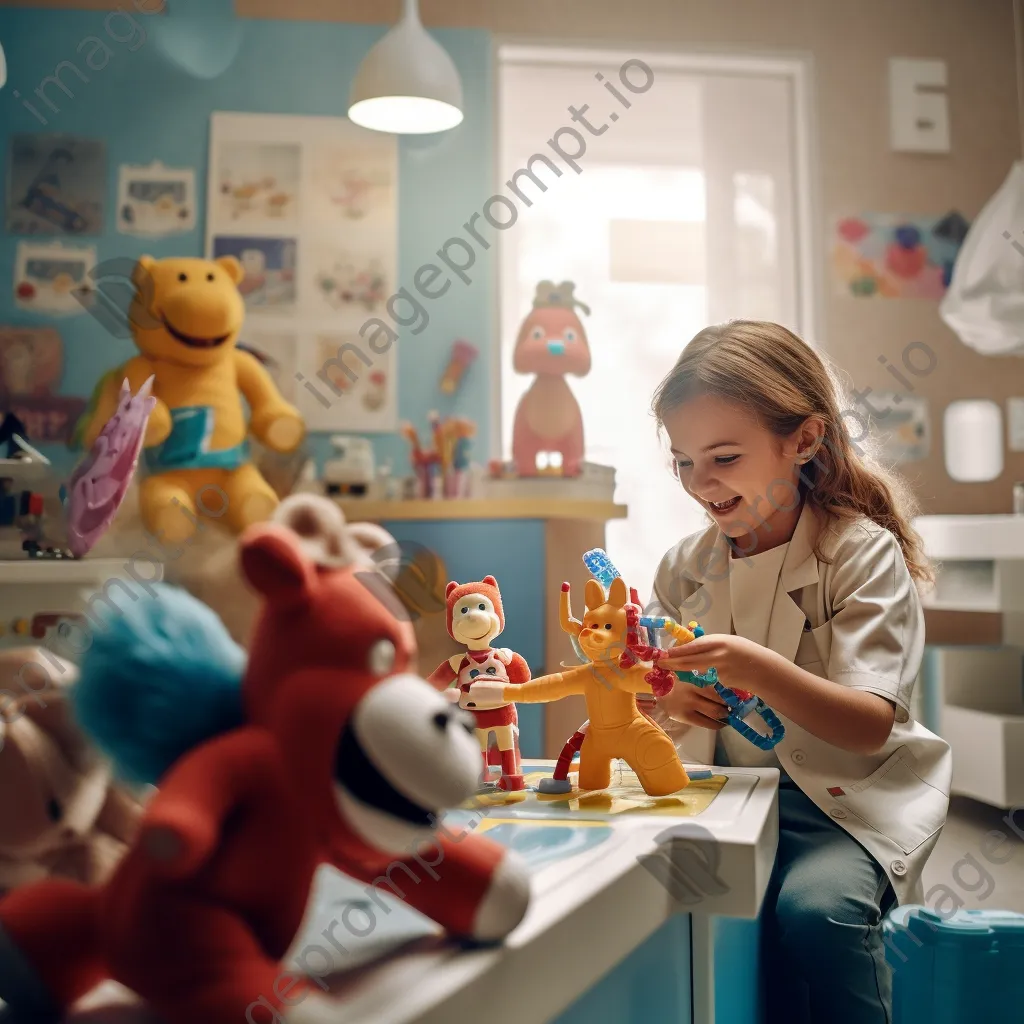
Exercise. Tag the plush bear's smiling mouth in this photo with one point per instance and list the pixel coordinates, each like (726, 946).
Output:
(191, 340)
(357, 773)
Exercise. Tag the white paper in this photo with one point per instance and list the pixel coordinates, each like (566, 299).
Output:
(309, 206)
(51, 278)
(154, 201)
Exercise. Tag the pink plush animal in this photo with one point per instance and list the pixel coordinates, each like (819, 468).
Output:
(551, 344)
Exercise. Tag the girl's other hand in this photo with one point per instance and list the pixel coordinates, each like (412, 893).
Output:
(695, 706)
(739, 662)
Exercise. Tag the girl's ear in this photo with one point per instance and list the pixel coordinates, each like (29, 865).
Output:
(809, 437)
(618, 595)
(593, 595)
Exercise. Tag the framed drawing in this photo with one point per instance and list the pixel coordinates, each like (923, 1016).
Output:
(308, 205)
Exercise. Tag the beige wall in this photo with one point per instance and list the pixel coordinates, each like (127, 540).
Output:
(851, 43)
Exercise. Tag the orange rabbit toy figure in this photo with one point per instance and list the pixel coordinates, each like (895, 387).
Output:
(617, 726)
(551, 344)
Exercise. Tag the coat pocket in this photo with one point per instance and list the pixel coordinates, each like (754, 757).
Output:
(815, 648)
(895, 801)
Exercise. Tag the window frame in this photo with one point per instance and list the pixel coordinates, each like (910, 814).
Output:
(796, 69)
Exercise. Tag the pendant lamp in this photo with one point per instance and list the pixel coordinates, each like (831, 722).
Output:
(407, 84)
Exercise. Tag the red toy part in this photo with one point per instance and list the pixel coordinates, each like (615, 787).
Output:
(345, 758)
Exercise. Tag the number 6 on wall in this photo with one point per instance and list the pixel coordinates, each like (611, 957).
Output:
(919, 106)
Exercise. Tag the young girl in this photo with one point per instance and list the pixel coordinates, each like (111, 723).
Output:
(805, 585)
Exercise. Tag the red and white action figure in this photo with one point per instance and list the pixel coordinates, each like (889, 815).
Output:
(476, 617)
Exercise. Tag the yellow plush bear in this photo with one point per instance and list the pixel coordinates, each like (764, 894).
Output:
(186, 318)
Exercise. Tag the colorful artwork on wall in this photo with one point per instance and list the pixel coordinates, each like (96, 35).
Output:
(154, 200)
(309, 207)
(892, 256)
(56, 185)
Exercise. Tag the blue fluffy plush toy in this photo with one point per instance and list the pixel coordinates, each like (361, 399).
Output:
(161, 676)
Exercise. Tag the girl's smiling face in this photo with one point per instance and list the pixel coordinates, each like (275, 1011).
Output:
(742, 473)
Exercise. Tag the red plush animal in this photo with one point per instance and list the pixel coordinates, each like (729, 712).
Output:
(475, 617)
(339, 756)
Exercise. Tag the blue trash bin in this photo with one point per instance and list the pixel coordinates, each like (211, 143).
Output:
(956, 968)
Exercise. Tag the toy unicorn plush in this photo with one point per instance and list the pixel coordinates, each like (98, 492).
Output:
(99, 483)
(322, 747)
(617, 727)
(551, 344)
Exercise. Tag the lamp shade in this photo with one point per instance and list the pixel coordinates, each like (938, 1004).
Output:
(3, 67)
(407, 84)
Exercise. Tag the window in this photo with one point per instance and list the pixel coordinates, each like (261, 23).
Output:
(690, 208)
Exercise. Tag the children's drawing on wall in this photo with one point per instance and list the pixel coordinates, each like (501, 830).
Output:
(278, 352)
(31, 364)
(155, 200)
(53, 278)
(269, 265)
(375, 393)
(348, 282)
(898, 426)
(880, 254)
(354, 184)
(353, 387)
(258, 181)
(56, 185)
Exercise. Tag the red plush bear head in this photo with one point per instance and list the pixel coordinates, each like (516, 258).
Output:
(377, 750)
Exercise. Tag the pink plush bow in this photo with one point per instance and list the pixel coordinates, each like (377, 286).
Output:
(99, 483)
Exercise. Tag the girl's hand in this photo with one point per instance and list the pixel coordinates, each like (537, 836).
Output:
(739, 662)
(695, 706)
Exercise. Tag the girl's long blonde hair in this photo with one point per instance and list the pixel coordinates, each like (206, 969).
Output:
(767, 368)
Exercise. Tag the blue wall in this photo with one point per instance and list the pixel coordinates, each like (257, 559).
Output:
(145, 109)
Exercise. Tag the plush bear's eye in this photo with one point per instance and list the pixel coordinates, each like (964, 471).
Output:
(569, 334)
(607, 625)
(54, 811)
(593, 625)
(464, 609)
(482, 607)
(381, 657)
(209, 277)
(492, 671)
(473, 673)
(537, 333)
(183, 277)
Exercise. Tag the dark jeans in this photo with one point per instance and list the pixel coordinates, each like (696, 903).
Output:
(822, 955)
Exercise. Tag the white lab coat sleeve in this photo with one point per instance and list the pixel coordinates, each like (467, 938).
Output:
(877, 621)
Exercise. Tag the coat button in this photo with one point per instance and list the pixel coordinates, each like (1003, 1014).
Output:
(898, 867)
(837, 812)
(799, 757)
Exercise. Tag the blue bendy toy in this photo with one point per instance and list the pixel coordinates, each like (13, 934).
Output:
(741, 703)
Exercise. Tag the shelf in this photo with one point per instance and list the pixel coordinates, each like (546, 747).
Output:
(64, 571)
(357, 509)
(970, 538)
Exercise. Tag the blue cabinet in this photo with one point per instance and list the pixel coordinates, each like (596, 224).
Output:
(513, 552)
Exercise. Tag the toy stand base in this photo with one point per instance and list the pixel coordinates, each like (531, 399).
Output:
(554, 786)
(511, 783)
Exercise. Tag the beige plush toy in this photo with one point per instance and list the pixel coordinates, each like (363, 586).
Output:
(61, 814)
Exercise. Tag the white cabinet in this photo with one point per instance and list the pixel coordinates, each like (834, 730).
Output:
(977, 693)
